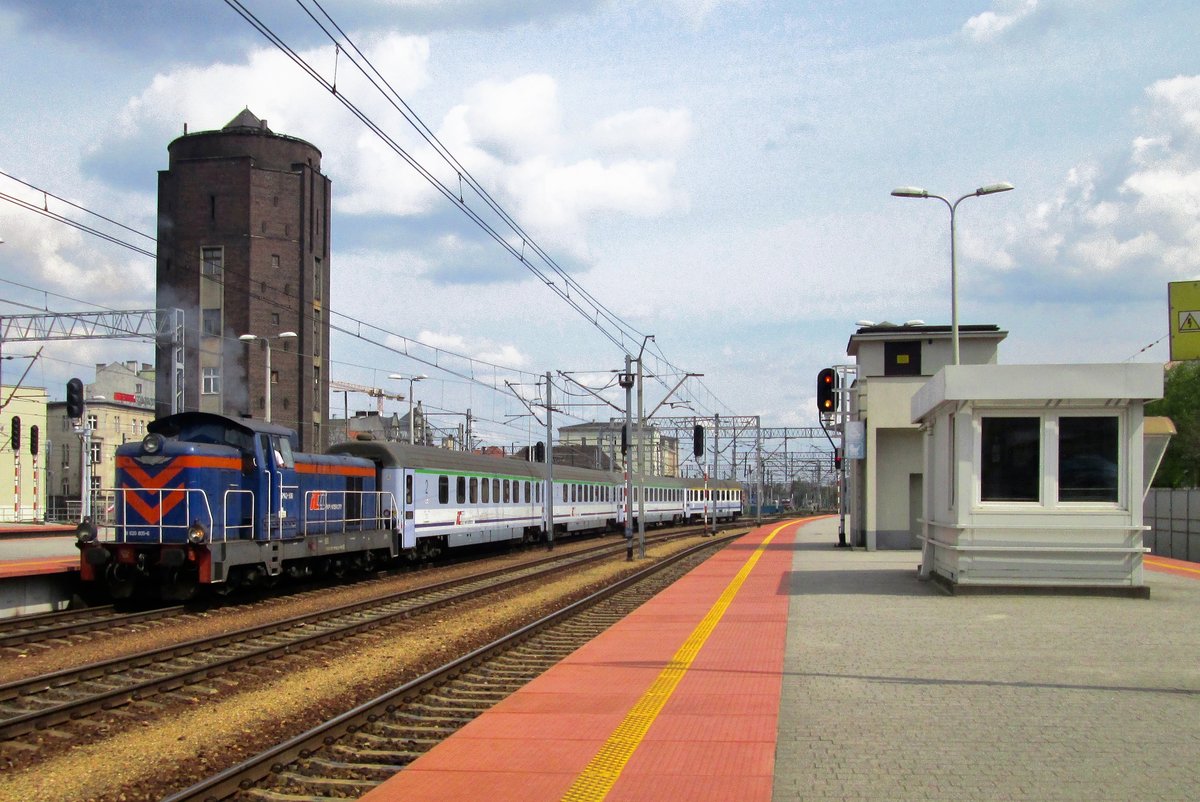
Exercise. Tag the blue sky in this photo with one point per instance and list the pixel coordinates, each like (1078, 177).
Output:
(716, 173)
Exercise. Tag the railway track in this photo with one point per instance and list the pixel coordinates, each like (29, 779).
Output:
(352, 753)
(31, 705)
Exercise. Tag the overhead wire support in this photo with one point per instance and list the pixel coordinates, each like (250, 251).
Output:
(623, 331)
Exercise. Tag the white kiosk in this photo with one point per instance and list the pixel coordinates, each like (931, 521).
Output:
(1034, 475)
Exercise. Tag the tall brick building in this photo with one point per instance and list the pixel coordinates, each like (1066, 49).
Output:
(243, 248)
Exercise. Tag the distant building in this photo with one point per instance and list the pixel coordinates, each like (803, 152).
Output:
(22, 475)
(243, 248)
(113, 422)
(129, 382)
(660, 454)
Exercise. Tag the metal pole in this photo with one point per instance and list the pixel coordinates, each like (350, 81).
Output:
(759, 467)
(953, 286)
(549, 466)
(410, 412)
(267, 392)
(628, 385)
(713, 493)
(641, 468)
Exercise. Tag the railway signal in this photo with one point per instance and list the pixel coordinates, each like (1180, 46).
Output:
(698, 441)
(827, 400)
(75, 399)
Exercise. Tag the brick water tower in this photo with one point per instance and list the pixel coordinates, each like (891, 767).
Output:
(243, 249)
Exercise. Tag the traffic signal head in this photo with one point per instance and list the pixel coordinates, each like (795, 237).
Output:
(827, 399)
(75, 398)
(539, 451)
(698, 441)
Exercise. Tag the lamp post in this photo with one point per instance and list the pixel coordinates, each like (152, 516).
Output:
(411, 380)
(917, 192)
(283, 335)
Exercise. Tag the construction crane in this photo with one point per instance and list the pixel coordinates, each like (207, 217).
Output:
(377, 393)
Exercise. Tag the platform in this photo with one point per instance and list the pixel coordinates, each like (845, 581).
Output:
(786, 669)
(39, 567)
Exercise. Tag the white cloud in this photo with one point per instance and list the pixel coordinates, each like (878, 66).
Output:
(512, 138)
(477, 348)
(1133, 221)
(991, 24)
(647, 132)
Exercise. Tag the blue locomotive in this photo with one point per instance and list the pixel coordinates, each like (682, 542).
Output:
(205, 499)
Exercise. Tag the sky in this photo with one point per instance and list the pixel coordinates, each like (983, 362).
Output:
(714, 173)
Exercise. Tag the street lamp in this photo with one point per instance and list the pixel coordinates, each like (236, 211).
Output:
(267, 341)
(917, 192)
(411, 380)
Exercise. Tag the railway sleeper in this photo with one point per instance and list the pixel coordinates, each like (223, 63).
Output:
(403, 741)
(397, 758)
(373, 772)
(322, 787)
(419, 728)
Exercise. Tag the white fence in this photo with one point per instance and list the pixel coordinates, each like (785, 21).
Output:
(1174, 520)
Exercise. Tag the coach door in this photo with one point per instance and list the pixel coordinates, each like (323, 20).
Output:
(279, 494)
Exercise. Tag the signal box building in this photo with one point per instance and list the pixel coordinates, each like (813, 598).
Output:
(893, 362)
(243, 249)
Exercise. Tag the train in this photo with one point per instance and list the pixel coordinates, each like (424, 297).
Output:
(206, 502)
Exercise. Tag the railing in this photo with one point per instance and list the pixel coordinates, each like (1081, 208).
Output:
(383, 515)
(112, 514)
(245, 525)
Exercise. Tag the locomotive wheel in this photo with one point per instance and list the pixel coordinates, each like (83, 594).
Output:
(121, 581)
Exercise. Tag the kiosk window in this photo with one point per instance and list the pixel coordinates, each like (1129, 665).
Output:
(1087, 458)
(1010, 453)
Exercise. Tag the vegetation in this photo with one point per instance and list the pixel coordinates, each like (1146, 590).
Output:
(1181, 403)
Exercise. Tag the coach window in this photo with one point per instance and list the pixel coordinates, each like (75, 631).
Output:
(461, 483)
(1010, 458)
(443, 490)
(474, 490)
(496, 490)
(1087, 458)
(507, 492)
(565, 492)
(528, 498)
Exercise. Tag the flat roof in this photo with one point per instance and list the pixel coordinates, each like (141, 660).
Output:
(915, 331)
(1039, 384)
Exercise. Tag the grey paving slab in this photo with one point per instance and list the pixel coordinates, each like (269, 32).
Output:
(895, 690)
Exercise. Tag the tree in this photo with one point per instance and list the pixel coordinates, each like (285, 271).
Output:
(1181, 403)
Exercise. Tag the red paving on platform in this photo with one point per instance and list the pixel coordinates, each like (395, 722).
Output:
(36, 566)
(1167, 565)
(712, 739)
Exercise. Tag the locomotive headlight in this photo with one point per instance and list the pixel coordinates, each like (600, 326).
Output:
(85, 532)
(152, 443)
(196, 534)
